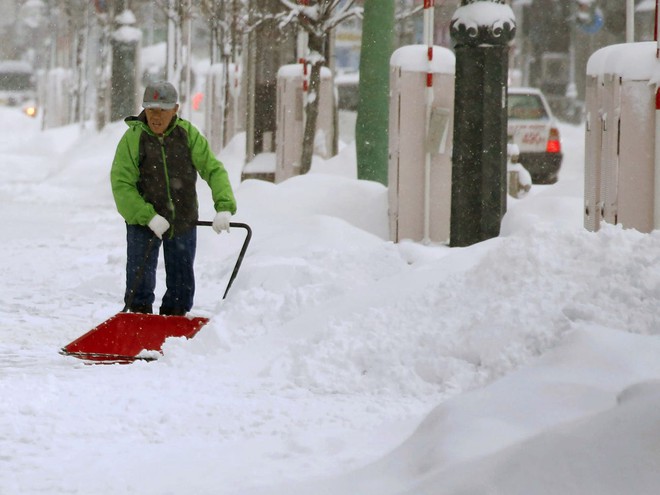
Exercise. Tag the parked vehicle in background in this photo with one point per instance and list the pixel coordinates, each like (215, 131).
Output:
(30, 108)
(348, 93)
(533, 128)
(17, 82)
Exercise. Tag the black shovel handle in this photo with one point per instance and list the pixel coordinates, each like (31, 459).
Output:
(246, 242)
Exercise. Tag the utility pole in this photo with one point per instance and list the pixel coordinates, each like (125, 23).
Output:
(371, 129)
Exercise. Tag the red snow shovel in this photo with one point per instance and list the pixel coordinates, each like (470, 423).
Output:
(127, 337)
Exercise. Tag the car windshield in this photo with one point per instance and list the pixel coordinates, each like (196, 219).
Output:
(526, 106)
(15, 81)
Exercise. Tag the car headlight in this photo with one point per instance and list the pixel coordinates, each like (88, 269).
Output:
(30, 110)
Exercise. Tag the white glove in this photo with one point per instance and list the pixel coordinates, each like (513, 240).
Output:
(159, 225)
(221, 221)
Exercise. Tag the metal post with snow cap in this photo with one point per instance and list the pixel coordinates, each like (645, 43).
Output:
(482, 31)
(223, 105)
(621, 168)
(290, 115)
(126, 40)
(420, 142)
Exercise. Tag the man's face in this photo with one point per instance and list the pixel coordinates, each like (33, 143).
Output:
(159, 118)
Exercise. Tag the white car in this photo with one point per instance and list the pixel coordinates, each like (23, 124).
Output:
(533, 128)
(17, 83)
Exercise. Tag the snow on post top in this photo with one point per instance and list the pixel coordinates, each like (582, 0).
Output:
(414, 58)
(126, 32)
(126, 18)
(483, 22)
(292, 71)
(630, 61)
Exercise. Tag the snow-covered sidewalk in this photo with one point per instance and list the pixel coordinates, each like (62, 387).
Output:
(340, 362)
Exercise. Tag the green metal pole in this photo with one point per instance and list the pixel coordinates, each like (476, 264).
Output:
(371, 128)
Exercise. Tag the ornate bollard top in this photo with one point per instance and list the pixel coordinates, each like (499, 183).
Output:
(483, 22)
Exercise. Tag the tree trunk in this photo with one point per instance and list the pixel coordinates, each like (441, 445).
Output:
(312, 104)
(311, 117)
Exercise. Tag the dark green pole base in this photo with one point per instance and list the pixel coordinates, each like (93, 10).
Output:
(478, 198)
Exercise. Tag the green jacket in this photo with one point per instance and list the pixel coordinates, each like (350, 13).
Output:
(157, 174)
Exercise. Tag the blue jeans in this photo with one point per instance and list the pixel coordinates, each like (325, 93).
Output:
(142, 260)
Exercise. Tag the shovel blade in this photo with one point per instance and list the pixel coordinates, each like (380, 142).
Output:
(124, 337)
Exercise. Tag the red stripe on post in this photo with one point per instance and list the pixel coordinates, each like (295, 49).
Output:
(430, 53)
(429, 79)
(428, 4)
(657, 99)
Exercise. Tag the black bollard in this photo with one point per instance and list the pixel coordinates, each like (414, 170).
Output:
(481, 32)
(125, 45)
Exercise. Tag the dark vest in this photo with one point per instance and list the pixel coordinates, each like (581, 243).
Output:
(168, 177)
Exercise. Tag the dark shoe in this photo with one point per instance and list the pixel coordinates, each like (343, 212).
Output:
(140, 308)
(172, 311)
